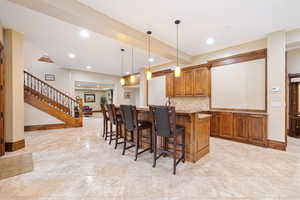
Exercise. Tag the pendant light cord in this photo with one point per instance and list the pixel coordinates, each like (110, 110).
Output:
(177, 45)
(122, 62)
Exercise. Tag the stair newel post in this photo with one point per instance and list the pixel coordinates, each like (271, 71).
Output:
(79, 101)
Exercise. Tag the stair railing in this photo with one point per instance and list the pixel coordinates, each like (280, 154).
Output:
(51, 95)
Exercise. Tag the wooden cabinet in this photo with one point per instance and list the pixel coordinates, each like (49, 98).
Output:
(192, 82)
(240, 131)
(226, 125)
(2, 146)
(201, 82)
(170, 85)
(215, 124)
(188, 77)
(257, 129)
(202, 128)
(243, 127)
(179, 86)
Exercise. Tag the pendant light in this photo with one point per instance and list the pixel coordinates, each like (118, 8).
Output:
(148, 71)
(45, 58)
(177, 70)
(132, 77)
(122, 80)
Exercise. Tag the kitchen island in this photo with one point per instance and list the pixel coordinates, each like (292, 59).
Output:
(197, 131)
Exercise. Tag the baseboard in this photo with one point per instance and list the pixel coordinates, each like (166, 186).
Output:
(14, 146)
(46, 127)
(277, 145)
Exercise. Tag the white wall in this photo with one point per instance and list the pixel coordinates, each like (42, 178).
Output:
(293, 61)
(276, 78)
(157, 91)
(64, 81)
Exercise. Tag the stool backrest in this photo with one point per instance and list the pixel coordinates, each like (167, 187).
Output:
(163, 120)
(112, 115)
(129, 116)
(104, 111)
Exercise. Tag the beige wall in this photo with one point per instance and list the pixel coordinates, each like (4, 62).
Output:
(14, 91)
(293, 61)
(276, 79)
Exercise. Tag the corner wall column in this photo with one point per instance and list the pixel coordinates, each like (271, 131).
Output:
(14, 90)
(276, 88)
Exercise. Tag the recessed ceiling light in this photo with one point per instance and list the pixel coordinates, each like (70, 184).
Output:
(84, 33)
(151, 59)
(127, 72)
(72, 55)
(210, 41)
(89, 67)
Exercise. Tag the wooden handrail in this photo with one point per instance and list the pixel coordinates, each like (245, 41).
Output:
(49, 85)
(51, 95)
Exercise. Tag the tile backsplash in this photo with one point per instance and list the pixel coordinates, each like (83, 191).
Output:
(190, 103)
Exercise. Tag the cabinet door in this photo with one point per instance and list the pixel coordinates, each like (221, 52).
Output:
(215, 125)
(201, 82)
(257, 129)
(170, 85)
(188, 77)
(240, 130)
(202, 127)
(2, 147)
(179, 86)
(226, 125)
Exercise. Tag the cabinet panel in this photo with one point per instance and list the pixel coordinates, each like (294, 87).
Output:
(226, 125)
(240, 128)
(188, 77)
(2, 136)
(257, 129)
(170, 85)
(203, 132)
(201, 82)
(179, 86)
(215, 125)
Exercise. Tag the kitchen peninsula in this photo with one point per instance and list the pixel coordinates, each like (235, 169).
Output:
(197, 131)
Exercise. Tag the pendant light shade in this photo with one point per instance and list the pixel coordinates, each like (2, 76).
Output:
(122, 80)
(45, 58)
(148, 71)
(177, 70)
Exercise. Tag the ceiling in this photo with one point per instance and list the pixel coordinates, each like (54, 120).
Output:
(58, 39)
(229, 22)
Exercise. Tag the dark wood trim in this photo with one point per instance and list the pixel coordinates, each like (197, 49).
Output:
(239, 110)
(2, 101)
(161, 73)
(277, 145)
(14, 146)
(297, 75)
(46, 127)
(244, 57)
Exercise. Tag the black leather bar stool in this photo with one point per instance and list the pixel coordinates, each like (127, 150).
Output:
(105, 122)
(164, 126)
(134, 127)
(116, 120)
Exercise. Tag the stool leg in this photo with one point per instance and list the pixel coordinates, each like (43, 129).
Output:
(151, 141)
(117, 135)
(155, 150)
(103, 127)
(137, 144)
(110, 135)
(174, 155)
(125, 140)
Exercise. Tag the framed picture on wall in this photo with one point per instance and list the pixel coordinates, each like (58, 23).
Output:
(49, 77)
(89, 98)
(127, 95)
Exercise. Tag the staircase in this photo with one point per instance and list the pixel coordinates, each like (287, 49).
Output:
(48, 99)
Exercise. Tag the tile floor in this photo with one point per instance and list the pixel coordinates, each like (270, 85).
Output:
(76, 164)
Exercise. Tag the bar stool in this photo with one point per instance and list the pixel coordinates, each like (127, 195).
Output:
(105, 122)
(164, 125)
(134, 127)
(116, 120)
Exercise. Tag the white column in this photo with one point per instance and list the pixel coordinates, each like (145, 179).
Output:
(143, 89)
(14, 86)
(276, 86)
